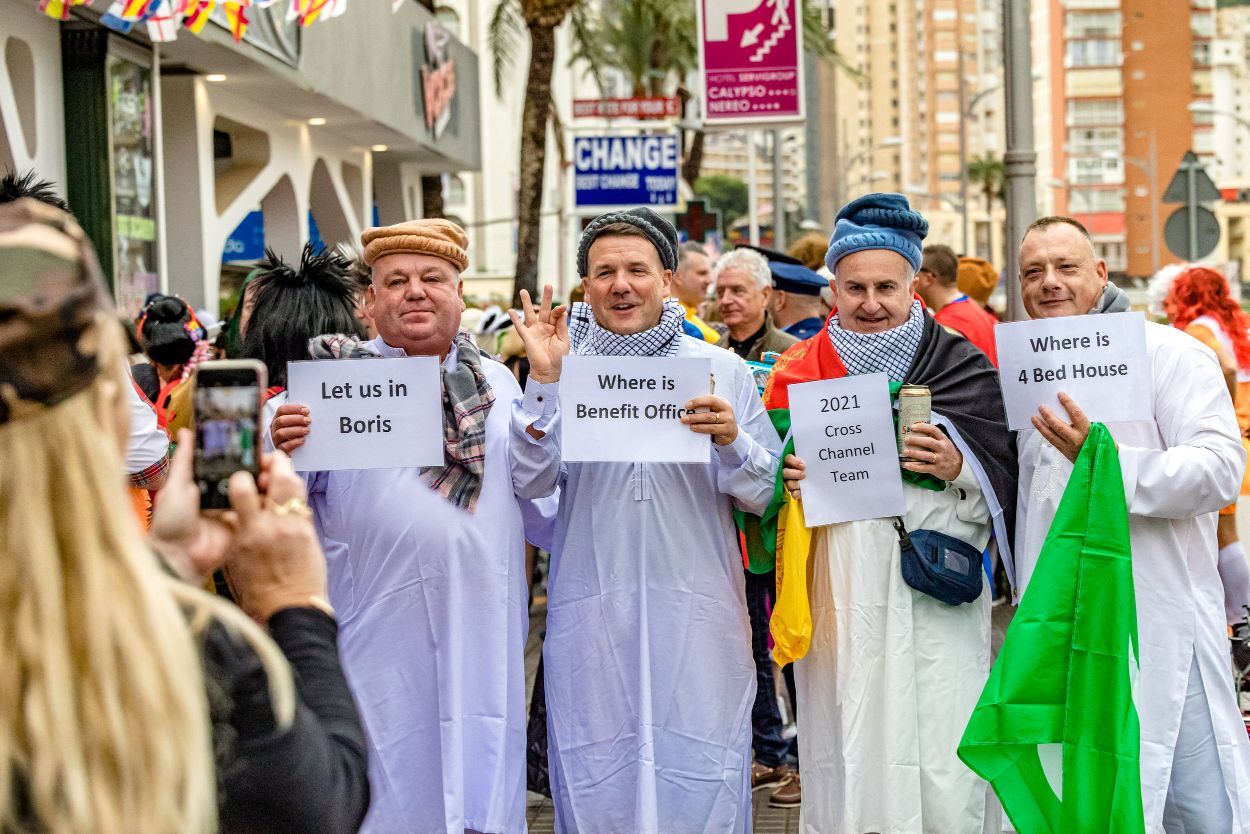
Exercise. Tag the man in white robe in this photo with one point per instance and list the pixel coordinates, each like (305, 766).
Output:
(893, 674)
(1179, 468)
(426, 566)
(647, 658)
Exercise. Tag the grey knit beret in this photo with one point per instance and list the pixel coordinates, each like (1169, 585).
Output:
(658, 230)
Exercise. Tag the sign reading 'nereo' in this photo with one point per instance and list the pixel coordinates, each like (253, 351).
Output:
(625, 170)
(750, 57)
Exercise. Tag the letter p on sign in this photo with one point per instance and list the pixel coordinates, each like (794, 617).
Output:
(716, 23)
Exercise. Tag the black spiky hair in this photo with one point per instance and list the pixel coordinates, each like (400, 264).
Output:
(292, 306)
(14, 187)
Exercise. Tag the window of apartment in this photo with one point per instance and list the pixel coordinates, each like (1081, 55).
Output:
(1093, 25)
(1095, 170)
(1093, 53)
(1095, 140)
(1095, 112)
(1202, 24)
(1202, 52)
(1095, 200)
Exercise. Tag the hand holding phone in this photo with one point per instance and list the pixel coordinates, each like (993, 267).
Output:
(227, 426)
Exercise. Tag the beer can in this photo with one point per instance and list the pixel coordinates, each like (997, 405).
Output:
(915, 405)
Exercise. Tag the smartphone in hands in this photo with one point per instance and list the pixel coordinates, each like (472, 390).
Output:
(227, 425)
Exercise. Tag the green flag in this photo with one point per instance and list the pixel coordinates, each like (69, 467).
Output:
(1056, 730)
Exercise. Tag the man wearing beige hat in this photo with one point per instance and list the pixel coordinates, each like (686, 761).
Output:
(426, 566)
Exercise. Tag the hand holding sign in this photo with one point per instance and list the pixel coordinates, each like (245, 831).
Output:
(1067, 438)
(290, 426)
(718, 420)
(545, 333)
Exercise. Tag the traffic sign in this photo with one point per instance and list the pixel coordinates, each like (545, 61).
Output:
(625, 170)
(1178, 190)
(1192, 232)
(751, 61)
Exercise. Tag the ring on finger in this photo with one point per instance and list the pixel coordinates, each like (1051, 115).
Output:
(717, 418)
(295, 506)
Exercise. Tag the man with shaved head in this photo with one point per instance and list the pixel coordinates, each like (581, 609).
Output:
(1179, 468)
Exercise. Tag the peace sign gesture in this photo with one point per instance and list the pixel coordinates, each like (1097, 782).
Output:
(545, 333)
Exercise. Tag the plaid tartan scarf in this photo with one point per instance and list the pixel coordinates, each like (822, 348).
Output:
(891, 351)
(588, 338)
(467, 399)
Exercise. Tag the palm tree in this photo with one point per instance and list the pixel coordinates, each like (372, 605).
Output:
(538, 19)
(987, 172)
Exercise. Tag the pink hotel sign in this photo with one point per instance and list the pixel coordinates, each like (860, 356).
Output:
(751, 61)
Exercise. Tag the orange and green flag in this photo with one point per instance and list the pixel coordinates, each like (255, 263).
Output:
(1056, 731)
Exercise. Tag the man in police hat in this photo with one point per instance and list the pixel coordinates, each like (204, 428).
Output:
(796, 304)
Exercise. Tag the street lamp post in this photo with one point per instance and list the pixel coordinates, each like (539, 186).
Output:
(1020, 160)
(963, 144)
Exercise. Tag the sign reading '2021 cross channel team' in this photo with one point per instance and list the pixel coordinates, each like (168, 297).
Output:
(625, 170)
(1100, 361)
(844, 433)
(629, 409)
(369, 413)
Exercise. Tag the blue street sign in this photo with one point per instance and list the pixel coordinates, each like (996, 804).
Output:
(625, 170)
(247, 241)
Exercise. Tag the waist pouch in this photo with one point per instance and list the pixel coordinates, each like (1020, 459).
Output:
(939, 565)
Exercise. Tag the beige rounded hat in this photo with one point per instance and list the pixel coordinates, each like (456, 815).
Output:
(432, 236)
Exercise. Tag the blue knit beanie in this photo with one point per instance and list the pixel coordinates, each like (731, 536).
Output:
(878, 221)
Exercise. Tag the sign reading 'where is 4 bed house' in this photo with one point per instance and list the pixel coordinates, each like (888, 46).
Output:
(751, 61)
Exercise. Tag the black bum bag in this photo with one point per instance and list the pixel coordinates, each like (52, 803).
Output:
(939, 565)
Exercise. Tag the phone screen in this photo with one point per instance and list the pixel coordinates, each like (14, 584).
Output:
(227, 406)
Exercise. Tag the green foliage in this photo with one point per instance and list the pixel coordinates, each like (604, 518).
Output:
(988, 173)
(728, 195)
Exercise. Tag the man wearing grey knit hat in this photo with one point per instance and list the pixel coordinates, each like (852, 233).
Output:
(895, 664)
(647, 657)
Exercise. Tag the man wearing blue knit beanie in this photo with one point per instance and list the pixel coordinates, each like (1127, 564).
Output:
(896, 665)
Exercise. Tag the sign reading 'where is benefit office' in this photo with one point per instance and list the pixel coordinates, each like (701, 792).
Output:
(625, 170)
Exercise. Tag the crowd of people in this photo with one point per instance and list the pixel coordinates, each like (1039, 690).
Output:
(344, 650)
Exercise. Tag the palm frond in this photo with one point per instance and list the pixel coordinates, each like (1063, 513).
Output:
(503, 35)
(587, 46)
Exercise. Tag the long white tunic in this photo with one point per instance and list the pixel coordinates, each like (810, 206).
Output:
(648, 663)
(1179, 469)
(892, 677)
(432, 606)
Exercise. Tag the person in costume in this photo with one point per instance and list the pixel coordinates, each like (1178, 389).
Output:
(690, 283)
(892, 674)
(427, 566)
(1179, 467)
(744, 287)
(978, 279)
(291, 307)
(795, 303)
(1198, 302)
(649, 676)
(937, 284)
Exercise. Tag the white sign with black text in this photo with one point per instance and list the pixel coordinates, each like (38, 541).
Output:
(369, 413)
(629, 409)
(1099, 361)
(844, 432)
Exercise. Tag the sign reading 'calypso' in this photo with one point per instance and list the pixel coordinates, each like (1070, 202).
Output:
(625, 170)
(750, 60)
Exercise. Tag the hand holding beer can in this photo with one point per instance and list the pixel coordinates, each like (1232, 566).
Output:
(915, 405)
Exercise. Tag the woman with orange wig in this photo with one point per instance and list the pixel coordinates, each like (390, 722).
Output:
(1199, 302)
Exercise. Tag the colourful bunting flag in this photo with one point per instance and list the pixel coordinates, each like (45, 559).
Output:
(237, 19)
(196, 13)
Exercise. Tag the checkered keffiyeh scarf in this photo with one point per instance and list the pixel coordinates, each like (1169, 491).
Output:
(588, 338)
(891, 351)
(467, 398)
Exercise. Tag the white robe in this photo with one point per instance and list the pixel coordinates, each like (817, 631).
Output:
(648, 667)
(1178, 469)
(892, 676)
(432, 607)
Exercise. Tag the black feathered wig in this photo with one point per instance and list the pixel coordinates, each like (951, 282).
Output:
(293, 306)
